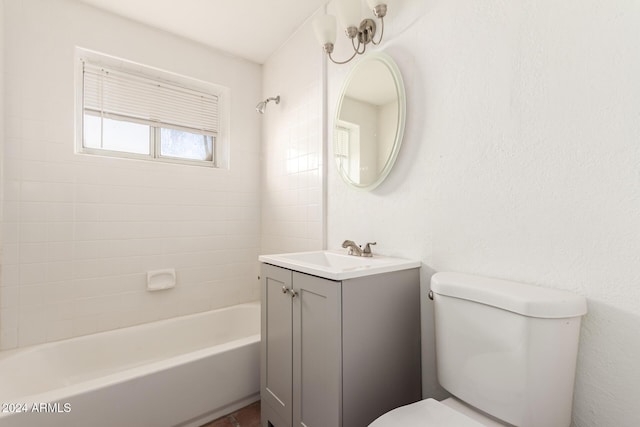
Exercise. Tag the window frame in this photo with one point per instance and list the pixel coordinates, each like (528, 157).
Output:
(219, 140)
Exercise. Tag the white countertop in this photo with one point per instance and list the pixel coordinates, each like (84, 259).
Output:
(337, 265)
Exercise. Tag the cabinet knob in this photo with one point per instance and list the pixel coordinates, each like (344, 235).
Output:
(290, 291)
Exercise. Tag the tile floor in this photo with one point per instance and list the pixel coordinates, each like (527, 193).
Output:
(249, 416)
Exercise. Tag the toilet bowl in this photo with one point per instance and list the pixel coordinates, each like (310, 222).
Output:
(507, 352)
(432, 413)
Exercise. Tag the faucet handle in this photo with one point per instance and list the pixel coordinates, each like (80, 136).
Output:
(367, 249)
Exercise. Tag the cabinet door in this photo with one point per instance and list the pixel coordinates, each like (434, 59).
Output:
(275, 372)
(317, 339)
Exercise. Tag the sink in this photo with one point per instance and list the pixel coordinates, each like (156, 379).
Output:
(337, 265)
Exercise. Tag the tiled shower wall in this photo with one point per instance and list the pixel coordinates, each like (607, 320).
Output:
(79, 233)
(292, 175)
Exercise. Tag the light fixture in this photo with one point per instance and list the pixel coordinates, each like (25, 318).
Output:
(349, 14)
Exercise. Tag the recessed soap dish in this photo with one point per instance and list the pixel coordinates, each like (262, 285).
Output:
(158, 280)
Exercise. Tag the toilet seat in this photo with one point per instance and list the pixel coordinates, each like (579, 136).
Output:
(425, 413)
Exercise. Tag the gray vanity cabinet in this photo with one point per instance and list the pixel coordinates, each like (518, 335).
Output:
(300, 348)
(337, 353)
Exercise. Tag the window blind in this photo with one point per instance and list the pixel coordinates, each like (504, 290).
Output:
(341, 146)
(116, 94)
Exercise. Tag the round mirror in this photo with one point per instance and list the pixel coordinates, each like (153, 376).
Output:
(370, 122)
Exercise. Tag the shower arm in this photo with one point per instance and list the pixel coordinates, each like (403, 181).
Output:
(262, 105)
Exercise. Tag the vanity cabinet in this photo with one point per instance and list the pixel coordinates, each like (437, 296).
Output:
(338, 353)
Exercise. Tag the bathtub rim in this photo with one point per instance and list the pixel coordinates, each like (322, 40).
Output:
(8, 353)
(68, 391)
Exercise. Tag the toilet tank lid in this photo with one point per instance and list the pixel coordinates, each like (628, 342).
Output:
(528, 300)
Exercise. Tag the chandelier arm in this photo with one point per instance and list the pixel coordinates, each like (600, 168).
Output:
(364, 47)
(356, 49)
(381, 32)
(342, 62)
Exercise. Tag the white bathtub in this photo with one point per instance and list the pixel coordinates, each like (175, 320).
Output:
(177, 372)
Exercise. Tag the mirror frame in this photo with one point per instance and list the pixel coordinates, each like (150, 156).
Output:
(393, 69)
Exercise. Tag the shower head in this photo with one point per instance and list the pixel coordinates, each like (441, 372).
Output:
(262, 105)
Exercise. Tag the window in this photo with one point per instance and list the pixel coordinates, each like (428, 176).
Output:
(346, 149)
(138, 112)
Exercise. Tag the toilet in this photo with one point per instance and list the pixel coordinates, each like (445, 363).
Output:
(506, 351)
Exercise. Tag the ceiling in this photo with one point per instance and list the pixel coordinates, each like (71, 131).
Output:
(251, 29)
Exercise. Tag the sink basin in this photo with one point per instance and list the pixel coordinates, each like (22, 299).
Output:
(337, 265)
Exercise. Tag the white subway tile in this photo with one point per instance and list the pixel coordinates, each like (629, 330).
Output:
(13, 127)
(59, 271)
(33, 252)
(108, 321)
(85, 325)
(9, 317)
(32, 273)
(9, 275)
(12, 191)
(33, 211)
(33, 192)
(85, 269)
(59, 330)
(10, 232)
(12, 165)
(31, 333)
(60, 251)
(31, 295)
(32, 149)
(34, 171)
(88, 231)
(11, 211)
(86, 193)
(60, 212)
(60, 231)
(55, 293)
(60, 192)
(8, 338)
(9, 297)
(33, 232)
(86, 212)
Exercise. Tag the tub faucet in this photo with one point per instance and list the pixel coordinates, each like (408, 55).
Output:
(357, 250)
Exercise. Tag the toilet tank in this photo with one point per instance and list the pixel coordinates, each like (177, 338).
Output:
(507, 348)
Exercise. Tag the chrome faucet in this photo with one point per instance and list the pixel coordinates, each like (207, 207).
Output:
(357, 250)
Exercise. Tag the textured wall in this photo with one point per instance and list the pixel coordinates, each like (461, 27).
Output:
(521, 160)
(80, 232)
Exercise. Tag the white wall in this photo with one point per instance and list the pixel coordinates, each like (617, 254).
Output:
(80, 232)
(521, 160)
(292, 153)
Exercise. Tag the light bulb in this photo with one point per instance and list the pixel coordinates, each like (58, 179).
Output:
(379, 7)
(348, 13)
(325, 28)
(373, 3)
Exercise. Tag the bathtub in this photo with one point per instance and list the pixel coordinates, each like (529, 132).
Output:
(183, 372)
